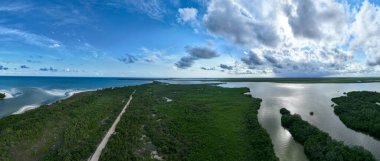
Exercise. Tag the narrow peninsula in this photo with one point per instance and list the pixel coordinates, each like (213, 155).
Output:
(318, 145)
(162, 122)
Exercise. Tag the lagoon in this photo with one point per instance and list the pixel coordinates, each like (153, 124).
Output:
(303, 99)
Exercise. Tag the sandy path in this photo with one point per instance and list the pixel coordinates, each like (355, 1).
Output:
(102, 145)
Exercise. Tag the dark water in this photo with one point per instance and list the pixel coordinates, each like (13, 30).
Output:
(303, 99)
(27, 92)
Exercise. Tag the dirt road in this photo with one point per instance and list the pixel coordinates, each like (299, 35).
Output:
(102, 145)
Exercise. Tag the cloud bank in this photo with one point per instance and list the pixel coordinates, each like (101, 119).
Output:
(299, 37)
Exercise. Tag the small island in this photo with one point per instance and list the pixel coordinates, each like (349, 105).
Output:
(318, 144)
(2, 96)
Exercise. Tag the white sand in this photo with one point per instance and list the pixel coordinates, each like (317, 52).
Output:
(154, 155)
(168, 99)
(65, 92)
(26, 108)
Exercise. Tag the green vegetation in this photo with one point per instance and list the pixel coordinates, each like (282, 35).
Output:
(68, 130)
(360, 111)
(2, 95)
(305, 80)
(202, 122)
(319, 145)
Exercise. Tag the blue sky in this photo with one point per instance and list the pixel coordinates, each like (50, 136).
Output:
(192, 38)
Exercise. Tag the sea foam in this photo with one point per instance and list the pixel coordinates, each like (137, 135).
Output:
(11, 93)
(64, 92)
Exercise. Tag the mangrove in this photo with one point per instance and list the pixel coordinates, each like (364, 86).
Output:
(318, 145)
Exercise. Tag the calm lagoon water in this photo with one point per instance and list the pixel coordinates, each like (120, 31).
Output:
(303, 99)
(27, 92)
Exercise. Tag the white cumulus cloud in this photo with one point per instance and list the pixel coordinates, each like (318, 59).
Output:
(187, 14)
(366, 32)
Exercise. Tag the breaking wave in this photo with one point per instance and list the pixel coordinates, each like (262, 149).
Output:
(11, 93)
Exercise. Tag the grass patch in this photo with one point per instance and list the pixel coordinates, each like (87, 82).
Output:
(360, 111)
(318, 145)
(202, 122)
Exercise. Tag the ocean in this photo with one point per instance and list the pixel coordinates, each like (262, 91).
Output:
(25, 93)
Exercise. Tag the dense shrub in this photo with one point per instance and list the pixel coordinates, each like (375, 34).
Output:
(203, 122)
(2, 95)
(360, 111)
(67, 130)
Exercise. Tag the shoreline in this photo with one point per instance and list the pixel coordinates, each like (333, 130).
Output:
(25, 109)
(67, 94)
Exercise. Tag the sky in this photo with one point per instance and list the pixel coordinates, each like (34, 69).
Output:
(190, 38)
